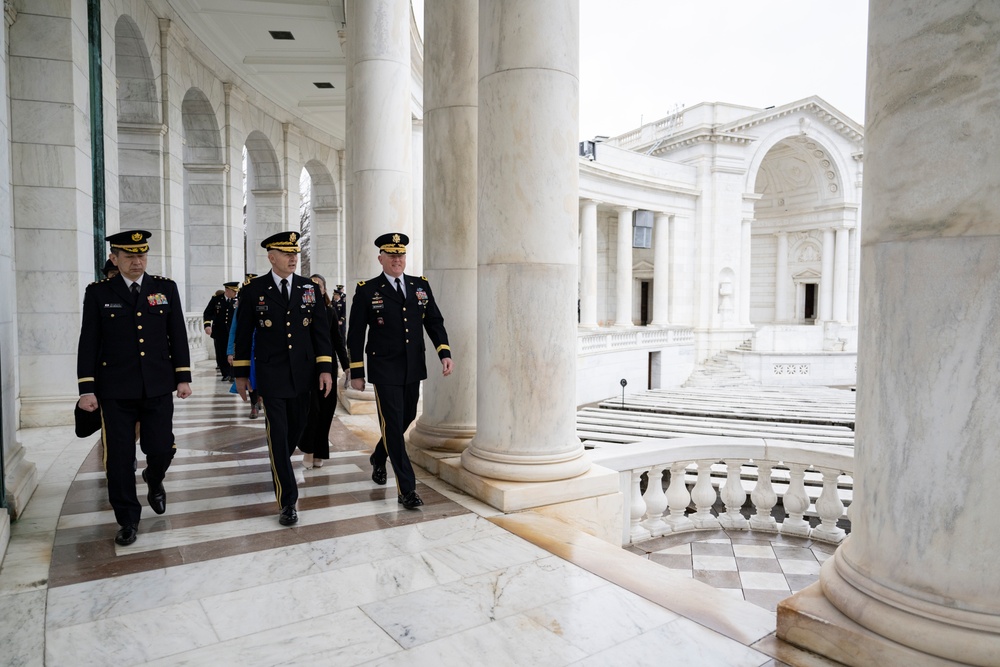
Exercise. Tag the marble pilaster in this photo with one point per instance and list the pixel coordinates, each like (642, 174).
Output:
(825, 310)
(661, 269)
(840, 277)
(451, 49)
(915, 573)
(528, 221)
(623, 268)
(588, 264)
(782, 310)
(745, 272)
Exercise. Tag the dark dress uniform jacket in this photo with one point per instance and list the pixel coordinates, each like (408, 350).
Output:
(292, 340)
(132, 349)
(395, 349)
(219, 315)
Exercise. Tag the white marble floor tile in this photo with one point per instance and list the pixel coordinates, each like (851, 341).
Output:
(799, 566)
(105, 517)
(341, 639)
(679, 642)
(763, 581)
(516, 641)
(25, 566)
(173, 629)
(600, 618)
(752, 551)
(132, 593)
(430, 614)
(22, 628)
(274, 605)
(487, 554)
(679, 550)
(726, 563)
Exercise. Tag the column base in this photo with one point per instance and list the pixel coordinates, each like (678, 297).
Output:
(20, 479)
(518, 468)
(357, 402)
(429, 459)
(590, 501)
(809, 620)
(40, 411)
(454, 440)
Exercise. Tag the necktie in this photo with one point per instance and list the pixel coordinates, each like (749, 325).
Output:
(399, 288)
(284, 290)
(135, 292)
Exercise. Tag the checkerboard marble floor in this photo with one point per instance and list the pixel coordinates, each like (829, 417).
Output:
(756, 567)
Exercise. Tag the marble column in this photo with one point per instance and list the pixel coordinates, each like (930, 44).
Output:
(917, 575)
(746, 260)
(415, 251)
(380, 150)
(852, 287)
(451, 48)
(528, 221)
(661, 270)
(782, 281)
(840, 277)
(623, 268)
(588, 264)
(825, 311)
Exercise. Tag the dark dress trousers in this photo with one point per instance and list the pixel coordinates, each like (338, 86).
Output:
(290, 344)
(132, 354)
(219, 315)
(395, 358)
(316, 438)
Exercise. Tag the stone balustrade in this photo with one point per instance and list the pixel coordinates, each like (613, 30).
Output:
(614, 339)
(807, 479)
(196, 336)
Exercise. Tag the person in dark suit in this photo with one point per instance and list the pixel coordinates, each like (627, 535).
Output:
(392, 307)
(218, 317)
(133, 353)
(283, 326)
(315, 442)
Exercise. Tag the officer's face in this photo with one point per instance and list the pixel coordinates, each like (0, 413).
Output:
(230, 293)
(393, 265)
(283, 263)
(130, 264)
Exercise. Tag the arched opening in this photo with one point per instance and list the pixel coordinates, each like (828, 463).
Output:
(319, 211)
(263, 208)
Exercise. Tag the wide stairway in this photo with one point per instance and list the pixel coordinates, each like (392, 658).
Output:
(719, 372)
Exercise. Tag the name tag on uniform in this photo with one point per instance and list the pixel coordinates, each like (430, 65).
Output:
(114, 305)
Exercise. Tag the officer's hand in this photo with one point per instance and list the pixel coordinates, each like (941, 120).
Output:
(447, 365)
(325, 383)
(208, 331)
(183, 390)
(242, 386)
(230, 359)
(88, 402)
(358, 384)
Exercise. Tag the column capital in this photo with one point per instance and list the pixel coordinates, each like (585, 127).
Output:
(621, 208)
(9, 12)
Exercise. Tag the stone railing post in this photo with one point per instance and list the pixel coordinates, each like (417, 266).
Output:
(733, 496)
(656, 502)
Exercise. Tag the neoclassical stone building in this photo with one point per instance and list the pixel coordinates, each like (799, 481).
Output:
(141, 113)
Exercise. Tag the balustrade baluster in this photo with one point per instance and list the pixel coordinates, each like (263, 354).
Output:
(764, 499)
(637, 509)
(796, 502)
(704, 497)
(830, 508)
(656, 503)
(678, 499)
(733, 495)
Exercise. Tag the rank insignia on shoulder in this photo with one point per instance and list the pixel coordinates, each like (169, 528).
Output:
(360, 283)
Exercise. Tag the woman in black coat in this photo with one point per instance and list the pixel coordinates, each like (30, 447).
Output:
(315, 443)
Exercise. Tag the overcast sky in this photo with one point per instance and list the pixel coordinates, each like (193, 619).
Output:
(641, 58)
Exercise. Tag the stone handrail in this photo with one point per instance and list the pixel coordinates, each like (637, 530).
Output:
(612, 339)
(655, 513)
(196, 336)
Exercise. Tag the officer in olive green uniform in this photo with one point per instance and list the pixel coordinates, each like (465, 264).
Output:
(394, 309)
(282, 322)
(133, 353)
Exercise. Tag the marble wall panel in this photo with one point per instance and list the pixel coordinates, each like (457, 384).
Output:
(40, 36)
(50, 166)
(206, 255)
(39, 290)
(140, 161)
(42, 80)
(142, 216)
(46, 333)
(204, 234)
(47, 208)
(205, 193)
(144, 189)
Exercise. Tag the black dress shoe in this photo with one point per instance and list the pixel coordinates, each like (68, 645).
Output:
(288, 516)
(378, 470)
(126, 535)
(157, 495)
(410, 501)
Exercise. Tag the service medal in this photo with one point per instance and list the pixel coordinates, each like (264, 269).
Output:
(267, 323)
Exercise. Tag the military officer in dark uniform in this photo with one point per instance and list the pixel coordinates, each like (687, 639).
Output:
(133, 354)
(394, 308)
(282, 321)
(218, 318)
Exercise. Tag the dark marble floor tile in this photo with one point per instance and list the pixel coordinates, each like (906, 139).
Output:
(673, 561)
(244, 544)
(719, 578)
(767, 599)
(796, 582)
(711, 549)
(91, 569)
(792, 552)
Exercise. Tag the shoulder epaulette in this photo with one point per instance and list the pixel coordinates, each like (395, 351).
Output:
(162, 278)
(360, 283)
(424, 278)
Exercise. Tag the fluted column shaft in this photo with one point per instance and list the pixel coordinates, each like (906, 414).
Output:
(588, 264)
(917, 567)
(623, 268)
(451, 67)
(528, 228)
(661, 270)
(381, 127)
